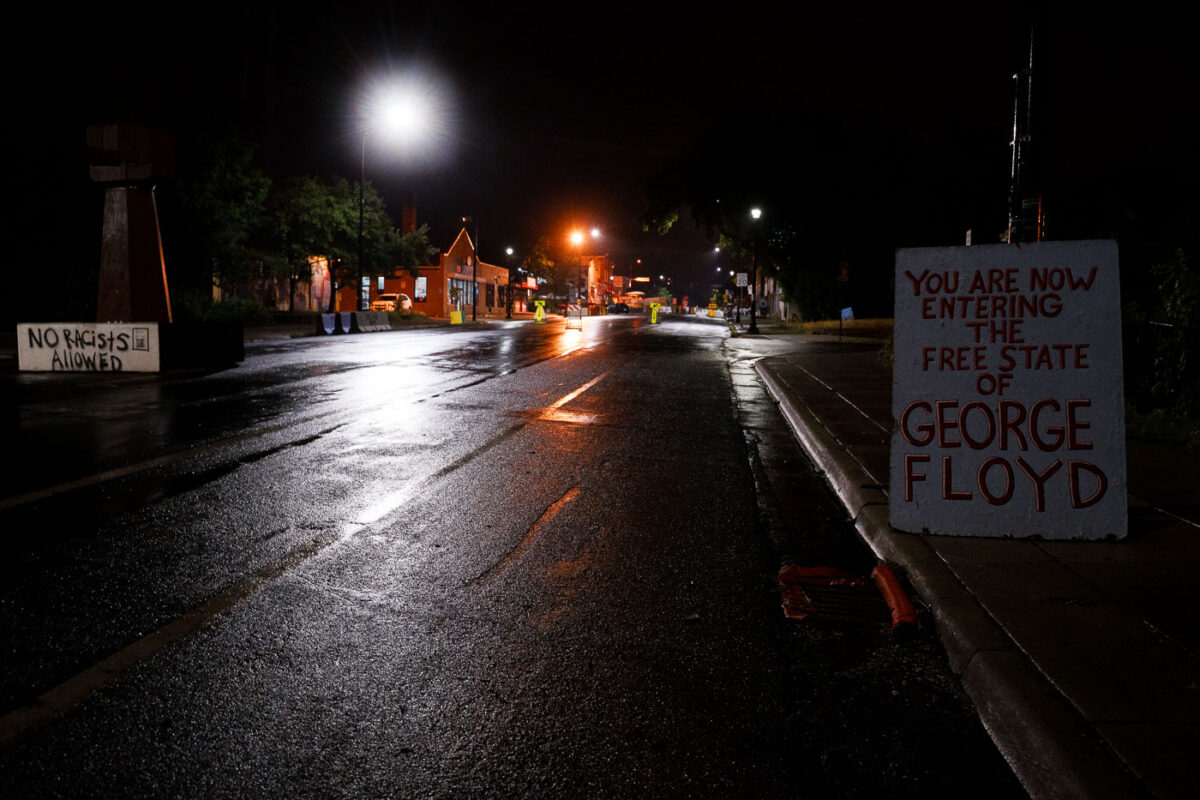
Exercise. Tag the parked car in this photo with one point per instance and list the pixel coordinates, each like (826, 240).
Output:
(392, 302)
(618, 308)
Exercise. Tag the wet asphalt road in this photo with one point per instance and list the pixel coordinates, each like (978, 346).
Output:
(521, 562)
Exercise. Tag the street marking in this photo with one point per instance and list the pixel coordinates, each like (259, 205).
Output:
(555, 413)
(530, 535)
(73, 691)
(568, 398)
(558, 415)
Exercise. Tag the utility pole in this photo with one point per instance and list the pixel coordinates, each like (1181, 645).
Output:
(474, 266)
(475, 274)
(1026, 221)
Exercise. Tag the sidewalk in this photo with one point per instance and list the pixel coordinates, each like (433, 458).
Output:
(1082, 658)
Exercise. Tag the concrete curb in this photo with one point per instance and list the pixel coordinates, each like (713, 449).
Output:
(1051, 749)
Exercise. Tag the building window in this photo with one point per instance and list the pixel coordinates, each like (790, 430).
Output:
(460, 291)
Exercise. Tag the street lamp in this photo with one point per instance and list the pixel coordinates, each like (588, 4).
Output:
(755, 214)
(508, 305)
(587, 280)
(405, 114)
(577, 239)
(362, 234)
(737, 285)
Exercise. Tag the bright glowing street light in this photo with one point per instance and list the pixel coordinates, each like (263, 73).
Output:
(399, 119)
(403, 116)
(409, 115)
(411, 112)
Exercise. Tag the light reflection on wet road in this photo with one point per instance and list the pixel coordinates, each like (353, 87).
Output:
(109, 423)
(521, 562)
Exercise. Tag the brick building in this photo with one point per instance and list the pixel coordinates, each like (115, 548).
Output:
(452, 284)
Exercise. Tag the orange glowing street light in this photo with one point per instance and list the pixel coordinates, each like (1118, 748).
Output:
(577, 238)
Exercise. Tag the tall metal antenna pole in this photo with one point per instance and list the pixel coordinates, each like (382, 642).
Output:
(1024, 196)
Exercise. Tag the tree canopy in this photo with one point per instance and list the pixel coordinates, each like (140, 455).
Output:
(545, 263)
(236, 225)
(222, 200)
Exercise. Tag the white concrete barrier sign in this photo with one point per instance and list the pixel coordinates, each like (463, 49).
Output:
(1008, 393)
(88, 347)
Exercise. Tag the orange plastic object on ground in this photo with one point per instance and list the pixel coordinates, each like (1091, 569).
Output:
(826, 593)
(903, 612)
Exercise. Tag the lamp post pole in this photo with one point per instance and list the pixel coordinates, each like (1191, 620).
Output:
(755, 213)
(578, 238)
(398, 109)
(475, 272)
(581, 283)
(362, 201)
(508, 288)
(737, 316)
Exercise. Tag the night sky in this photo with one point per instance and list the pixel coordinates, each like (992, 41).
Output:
(556, 112)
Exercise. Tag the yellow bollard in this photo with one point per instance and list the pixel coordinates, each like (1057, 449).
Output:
(456, 318)
(540, 316)
(654, 313)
